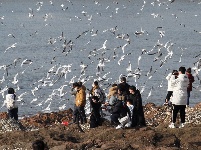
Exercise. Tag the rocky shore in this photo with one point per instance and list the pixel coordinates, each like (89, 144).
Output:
(56, 130)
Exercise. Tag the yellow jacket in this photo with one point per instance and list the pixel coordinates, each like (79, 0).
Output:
(80, 98)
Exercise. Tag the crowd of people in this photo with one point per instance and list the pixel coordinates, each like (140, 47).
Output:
(124, 101)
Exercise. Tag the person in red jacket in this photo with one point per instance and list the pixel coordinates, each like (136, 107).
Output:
(191, 80)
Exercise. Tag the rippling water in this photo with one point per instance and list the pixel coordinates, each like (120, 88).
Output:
(51, 34)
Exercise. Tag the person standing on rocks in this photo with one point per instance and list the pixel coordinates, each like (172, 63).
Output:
(11, 104)
(95, 117)
(179, 97)
(138, 119)
(191, 80)
(80, 102)
(98, 91)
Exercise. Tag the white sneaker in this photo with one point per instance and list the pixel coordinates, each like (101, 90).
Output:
(181, 125)
(172, 125)
(119, 127)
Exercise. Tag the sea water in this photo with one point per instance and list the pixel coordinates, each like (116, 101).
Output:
(45, 43)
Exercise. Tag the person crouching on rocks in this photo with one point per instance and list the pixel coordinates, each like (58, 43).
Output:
(112, 97)
(118, 110)
(126, 120)
(11, 104)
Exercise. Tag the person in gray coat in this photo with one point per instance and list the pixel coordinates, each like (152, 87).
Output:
(179, 99)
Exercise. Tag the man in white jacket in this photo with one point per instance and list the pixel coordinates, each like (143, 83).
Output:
(179, 97)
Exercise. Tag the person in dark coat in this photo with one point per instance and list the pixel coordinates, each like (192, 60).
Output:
(138, 118)
(95, 118)
(124, 86)
(191, 80)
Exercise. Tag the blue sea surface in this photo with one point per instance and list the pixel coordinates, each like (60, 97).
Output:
(44, 44)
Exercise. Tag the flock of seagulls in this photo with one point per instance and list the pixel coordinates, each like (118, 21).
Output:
(95, 53)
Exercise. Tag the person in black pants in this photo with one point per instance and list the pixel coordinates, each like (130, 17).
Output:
(80, 102)
(95, 118)
(179, 99)
(138, 119)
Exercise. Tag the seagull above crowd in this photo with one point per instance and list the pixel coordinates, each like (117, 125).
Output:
(12, 46)
(15, 81)
(128, 69)
(121, 59)
(26, 61)
(83, 67)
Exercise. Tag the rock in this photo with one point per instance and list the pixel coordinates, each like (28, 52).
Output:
(3, 115)
(156, 135)
(197, 106)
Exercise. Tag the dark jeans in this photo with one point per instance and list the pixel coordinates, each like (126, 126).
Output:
(188, 96)
(79, 115)
(176, 109)
(13, 113)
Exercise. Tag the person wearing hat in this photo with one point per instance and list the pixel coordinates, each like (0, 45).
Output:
(138, 119)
